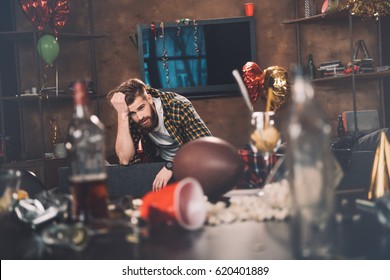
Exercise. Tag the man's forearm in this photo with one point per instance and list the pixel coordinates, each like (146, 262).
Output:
(124, 146)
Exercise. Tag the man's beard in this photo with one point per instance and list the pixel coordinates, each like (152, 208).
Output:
(154, 121)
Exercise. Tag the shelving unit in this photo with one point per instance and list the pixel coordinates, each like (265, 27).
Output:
(340, 15)
(362, 76)
(30, 38)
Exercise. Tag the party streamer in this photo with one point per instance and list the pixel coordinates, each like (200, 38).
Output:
(153, 29)
(165, 54)
(196, 48)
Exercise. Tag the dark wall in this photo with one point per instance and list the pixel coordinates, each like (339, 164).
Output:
(10, 134)
(385, 27)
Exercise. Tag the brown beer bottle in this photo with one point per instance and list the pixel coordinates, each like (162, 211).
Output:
(86, 146)
(340, 127)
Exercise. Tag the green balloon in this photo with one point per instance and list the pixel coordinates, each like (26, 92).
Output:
(48, 48)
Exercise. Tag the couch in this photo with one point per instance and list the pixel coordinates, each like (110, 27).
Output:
(135, 179)
(357, 175)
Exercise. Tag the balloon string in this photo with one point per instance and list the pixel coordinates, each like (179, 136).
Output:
(268, 107)
(56, 81)
(269, 99)
(54, 128)
(44, 83)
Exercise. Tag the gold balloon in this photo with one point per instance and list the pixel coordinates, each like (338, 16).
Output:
(275, 77)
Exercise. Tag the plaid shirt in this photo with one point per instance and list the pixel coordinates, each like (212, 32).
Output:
(180, 119)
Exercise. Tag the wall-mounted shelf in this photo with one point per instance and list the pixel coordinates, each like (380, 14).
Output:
(37, 97)
(361, 76)
(23, 42)
(27, 36)
(340, 14)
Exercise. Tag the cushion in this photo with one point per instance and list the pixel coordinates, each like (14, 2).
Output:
(135, 179)
(370, 141)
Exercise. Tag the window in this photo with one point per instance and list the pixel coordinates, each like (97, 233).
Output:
(196, 58)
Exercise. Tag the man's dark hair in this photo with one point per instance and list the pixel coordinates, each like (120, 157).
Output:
(132, 88)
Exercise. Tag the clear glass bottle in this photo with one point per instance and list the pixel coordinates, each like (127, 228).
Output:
(86, 146)
(312, 173)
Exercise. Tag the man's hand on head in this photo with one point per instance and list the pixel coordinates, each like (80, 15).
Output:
(119, 104)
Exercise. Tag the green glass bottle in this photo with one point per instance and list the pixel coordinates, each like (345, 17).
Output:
(311, 68)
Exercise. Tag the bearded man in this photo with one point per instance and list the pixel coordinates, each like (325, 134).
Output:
(161, 121)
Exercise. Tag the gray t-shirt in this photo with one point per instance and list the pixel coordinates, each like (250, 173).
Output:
(161, 137)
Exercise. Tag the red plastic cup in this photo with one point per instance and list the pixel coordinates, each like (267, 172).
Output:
(178, 203)
(249, 9)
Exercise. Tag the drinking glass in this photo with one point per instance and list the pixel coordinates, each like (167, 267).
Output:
(264, 141)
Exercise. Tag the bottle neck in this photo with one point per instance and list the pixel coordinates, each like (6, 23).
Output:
(81, 111)
(340, 121)
(80, 100)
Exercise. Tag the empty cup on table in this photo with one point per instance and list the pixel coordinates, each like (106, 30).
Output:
(179, 203)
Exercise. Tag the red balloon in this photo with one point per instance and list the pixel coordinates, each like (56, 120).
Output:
(251, 76)
(41, 12)
(60, 11)
(36, 11)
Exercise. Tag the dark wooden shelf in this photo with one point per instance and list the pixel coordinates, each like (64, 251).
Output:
(31, 97)
(35, 97)
(363, 76)
(27, 36)
(26, 39)
(340, 14)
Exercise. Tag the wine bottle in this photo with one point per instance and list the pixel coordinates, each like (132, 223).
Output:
(340, 127)
(311, 68)
(86, 146)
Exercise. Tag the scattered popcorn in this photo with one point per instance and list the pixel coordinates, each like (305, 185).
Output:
(273, 202)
